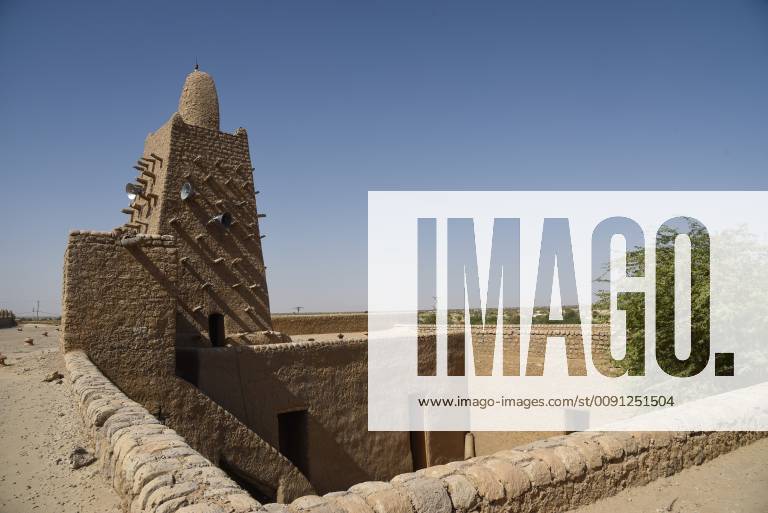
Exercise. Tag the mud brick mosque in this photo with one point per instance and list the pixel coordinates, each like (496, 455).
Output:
(194, 393)
(173, 307)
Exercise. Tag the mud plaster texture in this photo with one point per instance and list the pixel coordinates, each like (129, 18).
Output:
(132, 288)
(138, 302)
(328, 380)
(149, 464)
(551, 475)
(301, 324)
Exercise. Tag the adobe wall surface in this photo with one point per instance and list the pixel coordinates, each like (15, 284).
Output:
(151, 169)
(553, 475)
(329, 380)
(223, 271)
(152, 468)
(484, 345)
(301, 324)
(119, 308)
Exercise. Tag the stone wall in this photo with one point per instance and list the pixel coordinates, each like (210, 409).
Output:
(553, 475)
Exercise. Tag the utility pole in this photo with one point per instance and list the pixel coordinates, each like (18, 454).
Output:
(37, 311)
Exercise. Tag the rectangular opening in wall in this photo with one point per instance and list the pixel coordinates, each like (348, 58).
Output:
(418, 450)
(216, 330)
(293, 434)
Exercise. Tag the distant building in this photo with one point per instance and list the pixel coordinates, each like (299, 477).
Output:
(7, 319)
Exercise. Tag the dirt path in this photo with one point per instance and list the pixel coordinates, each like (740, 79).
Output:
(39, 427)
(736, 482)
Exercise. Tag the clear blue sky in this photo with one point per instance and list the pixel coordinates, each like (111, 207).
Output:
(340, 97)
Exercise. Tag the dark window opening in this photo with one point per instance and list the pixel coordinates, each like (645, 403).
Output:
(292, 433)
(418, 450)
(216, 330)
(188, 364)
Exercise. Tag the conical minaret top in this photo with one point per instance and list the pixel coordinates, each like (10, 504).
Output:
(199, 103)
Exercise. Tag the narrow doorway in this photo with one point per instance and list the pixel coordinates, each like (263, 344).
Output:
(292, 438)
(418, 450)
(216, 329)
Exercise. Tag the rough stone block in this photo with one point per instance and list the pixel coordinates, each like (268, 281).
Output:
(574, 462)
(463, 493)
(427, 494)
(389, 501)
(512, 477)
(349, 502)
(612, 448)
(556, 466)
(488, 487)
(367, 488)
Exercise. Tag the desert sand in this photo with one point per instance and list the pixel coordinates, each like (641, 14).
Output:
(732, 483)
(39, 428)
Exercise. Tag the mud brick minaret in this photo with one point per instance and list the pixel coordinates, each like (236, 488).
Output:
(196, 183)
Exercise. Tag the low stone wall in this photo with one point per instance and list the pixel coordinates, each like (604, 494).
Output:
(149, 465)
(552, 475)
(155, 470)
(305, 324)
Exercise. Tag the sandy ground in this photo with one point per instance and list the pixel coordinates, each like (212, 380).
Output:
(39, 427)
(736, 482)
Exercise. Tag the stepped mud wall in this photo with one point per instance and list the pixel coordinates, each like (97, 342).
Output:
(152, 468)
(119, 308)
(328, 381)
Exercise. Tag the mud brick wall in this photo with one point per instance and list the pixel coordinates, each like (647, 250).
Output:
(305, 324)
(553, 475)
(118, 306)
(329, 381)
(223, 269)
(150, 466)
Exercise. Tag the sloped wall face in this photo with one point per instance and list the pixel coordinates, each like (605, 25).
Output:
(222, 269)
(328, 381)
(118, 308)
(143, 211)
